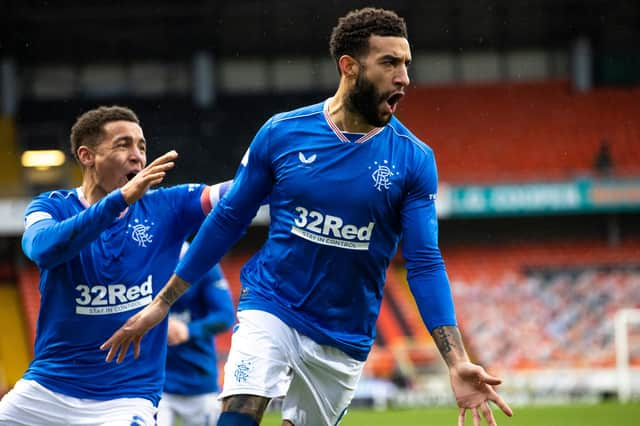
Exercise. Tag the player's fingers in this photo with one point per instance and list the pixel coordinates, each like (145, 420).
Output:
(107, 344)
(123, 350)
(461, 416)
(500, 403)
(136, 346)
(154, 178)
(112, 345)
(488, 415)
(167, 156)
(156, 181)
(489, 379)
(109, 356)
(112, 351)
(160, 167)
(476, 416)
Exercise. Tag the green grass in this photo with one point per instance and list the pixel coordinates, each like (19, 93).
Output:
(607, 414)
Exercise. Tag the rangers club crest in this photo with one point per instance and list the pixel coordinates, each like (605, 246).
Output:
(382, 174)
(140, 232)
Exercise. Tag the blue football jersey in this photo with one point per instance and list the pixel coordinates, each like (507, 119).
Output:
(99, 265)
(206, 308)
(339, 205)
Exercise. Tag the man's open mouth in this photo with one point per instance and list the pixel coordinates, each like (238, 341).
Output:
(393, 100)
(131, 175)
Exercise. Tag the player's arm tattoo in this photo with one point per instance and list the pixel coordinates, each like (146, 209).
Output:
(173, 290)
(449, 343)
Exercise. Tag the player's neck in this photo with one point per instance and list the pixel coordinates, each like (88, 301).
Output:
(343, 117)
(92, 191)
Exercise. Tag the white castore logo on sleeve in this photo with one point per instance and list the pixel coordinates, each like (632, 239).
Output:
(331, 230)
(112, 298)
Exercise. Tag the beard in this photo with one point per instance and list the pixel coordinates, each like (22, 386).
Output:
(364, 99)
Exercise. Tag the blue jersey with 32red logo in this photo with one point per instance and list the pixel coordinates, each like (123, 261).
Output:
(339, 205)
(99, 265)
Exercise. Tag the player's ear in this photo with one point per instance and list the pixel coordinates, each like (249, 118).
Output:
(86, 156)
(348, 66)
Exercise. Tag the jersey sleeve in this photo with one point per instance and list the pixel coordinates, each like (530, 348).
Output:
(235, 210)
(426, 271)
(50, 239)
(192, 202)
(189, 201)
(216, 295)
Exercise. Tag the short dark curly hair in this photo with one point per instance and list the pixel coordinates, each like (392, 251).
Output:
(351, 35)
(89, 127)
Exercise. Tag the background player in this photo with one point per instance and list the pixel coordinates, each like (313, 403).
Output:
(346, 180)
(103, 250)
(191, 386)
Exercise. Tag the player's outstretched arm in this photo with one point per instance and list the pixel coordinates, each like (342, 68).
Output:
(151, 175)
(472, 385)
(139, 324)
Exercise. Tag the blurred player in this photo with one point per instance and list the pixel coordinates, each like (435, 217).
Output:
(191, 386)
(346, 180)
(103, 251)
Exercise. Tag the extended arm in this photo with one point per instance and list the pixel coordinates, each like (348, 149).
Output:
(429, 283)
(471, 384)
(49, 242)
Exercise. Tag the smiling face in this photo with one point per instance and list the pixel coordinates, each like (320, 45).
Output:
(118, 157)
(381, 79)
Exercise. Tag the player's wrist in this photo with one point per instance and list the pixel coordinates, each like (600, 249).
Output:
(172, 291)
(163, 301)
(126, 195)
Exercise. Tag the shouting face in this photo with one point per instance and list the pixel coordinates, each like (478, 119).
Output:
(119, 156)
(381, 80)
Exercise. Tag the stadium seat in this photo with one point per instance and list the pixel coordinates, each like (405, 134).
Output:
(524, 131)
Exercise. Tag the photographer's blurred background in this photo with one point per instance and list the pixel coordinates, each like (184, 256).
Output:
(532, 109)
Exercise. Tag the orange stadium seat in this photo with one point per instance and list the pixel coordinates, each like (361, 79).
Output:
(524, 131)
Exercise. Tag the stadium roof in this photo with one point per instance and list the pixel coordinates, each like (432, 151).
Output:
(81, 30)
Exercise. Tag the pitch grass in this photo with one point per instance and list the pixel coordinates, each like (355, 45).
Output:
(605, 414)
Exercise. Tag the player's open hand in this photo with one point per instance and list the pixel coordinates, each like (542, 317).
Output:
(473, 389)
(151, 175)
(133, 330)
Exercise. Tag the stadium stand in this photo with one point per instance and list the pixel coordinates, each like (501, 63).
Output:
(561, 131)
(524, 131)
(544, 305)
